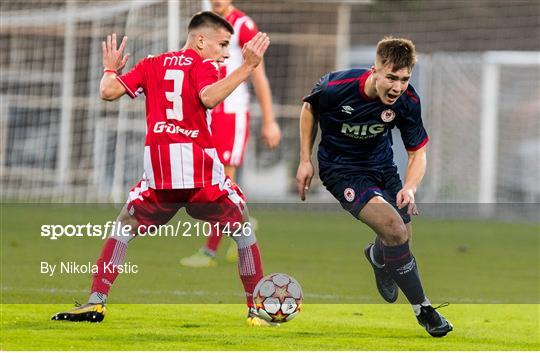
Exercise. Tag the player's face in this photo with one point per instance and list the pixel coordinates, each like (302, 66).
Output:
(216, 45)
(390, 84)
(220, 6)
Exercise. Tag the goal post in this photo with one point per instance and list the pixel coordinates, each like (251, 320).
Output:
(492, 63)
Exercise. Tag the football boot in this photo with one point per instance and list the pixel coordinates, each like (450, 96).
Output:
(388, 289)
(253, 319)
(199, 260)
(92, 312)
(434, 323)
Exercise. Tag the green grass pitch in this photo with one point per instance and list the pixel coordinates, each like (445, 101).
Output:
(222, 327)
(488, 270)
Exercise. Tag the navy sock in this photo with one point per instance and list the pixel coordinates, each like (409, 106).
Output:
(401, 265)
(378, 250)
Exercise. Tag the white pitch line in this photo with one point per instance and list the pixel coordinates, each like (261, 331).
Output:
(201, 293)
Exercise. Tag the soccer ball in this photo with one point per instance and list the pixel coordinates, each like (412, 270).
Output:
(278, 298)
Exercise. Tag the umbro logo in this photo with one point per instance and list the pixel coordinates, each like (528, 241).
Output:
(347, 109)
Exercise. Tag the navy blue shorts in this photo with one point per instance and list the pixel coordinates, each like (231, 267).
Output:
(354, 187)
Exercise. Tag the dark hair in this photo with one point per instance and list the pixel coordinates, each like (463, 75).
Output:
(398, 52)
(209, 19)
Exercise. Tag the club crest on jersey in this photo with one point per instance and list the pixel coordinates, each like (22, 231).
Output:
(348, 193)
(388, 115)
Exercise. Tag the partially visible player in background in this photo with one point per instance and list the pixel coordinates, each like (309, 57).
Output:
(231, 118)
(356, 110)
(181, 167)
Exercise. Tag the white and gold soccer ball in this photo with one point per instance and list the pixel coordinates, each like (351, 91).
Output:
(278, 298)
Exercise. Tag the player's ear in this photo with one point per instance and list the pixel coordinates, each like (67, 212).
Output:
(199, 41)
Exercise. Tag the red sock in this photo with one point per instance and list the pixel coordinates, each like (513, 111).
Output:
(112, 253)
(250, 268)
(212, 242)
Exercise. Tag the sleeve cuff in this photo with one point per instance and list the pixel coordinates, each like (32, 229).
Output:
(420, 145)
(128, 90)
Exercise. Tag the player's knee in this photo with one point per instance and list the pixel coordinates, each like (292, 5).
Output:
(126, 225)
(395, 232)
(244, 236)
(244, 233)
(126, 218)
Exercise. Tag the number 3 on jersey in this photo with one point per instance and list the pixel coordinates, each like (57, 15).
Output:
(177, 76)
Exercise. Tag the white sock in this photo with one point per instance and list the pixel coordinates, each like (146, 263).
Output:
(97, 298)
(416, 307)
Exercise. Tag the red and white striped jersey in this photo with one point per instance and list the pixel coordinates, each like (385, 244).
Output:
(244, 29)
(179, 152)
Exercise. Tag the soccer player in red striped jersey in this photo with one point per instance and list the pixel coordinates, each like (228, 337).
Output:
(181, 166)
(231, 120)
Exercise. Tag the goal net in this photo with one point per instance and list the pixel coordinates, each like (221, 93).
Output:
(482, 110)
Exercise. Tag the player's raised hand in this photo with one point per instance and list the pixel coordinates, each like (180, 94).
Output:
(253, 51)
(303, 178)
(113, 57)
(405, 197)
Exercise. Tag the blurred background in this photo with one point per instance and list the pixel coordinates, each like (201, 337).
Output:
(478, 78)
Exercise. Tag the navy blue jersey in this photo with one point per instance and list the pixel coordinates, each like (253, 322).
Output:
(355, 129)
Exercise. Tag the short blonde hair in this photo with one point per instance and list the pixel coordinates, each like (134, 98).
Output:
(398, 52)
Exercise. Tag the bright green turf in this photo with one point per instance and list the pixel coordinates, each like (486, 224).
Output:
(460, 261)
(222, 327)
(464, 262)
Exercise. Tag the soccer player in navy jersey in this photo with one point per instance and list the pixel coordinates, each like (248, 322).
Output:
(356, 110)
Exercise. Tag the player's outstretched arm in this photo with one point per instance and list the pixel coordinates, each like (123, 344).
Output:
(253, 53)
(114, 61)
(308, 132)
(416, 168)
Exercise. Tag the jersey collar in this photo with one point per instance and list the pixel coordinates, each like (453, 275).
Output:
(363, 79)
